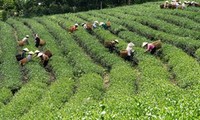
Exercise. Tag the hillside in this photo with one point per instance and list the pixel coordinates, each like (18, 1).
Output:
(83, 80)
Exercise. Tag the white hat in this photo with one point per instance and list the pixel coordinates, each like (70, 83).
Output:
(131, 44)
(37, 51)
(101, 23)
(116, 40)
(31, 53)
(36, 35)
(83, 24)
(27, 36)
(144, 44)
(173, 0)
(167, 1)
(40, 54)
(96, 22)
(25, 49)
(76, 24)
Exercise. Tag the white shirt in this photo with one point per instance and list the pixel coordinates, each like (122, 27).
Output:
(85, 26)
(94, 25)
(129, 48)
(29, 57)
(25, 39)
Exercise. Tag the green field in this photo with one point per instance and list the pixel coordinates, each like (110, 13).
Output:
(85, 81)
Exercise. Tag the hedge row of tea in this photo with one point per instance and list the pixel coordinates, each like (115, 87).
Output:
(86, 81)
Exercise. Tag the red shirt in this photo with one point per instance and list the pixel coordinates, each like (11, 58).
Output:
(150, 47)
(73, 28)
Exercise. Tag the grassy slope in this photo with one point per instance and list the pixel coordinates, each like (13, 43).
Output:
(182, 107)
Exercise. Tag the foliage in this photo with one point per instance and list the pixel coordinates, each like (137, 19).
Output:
(92, 83)
(9, 79)
(46, 7)
(197, 54)
(8, 4)
(4, 15)
(6, 95)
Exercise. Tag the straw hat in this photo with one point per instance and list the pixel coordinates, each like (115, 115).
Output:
(117, 41)
(101, 23)
(76, 24)
(83, 24)
(31, 53)
(36, 51)
(96, 22)
(144, 44)
(25, 49)
(40, 54)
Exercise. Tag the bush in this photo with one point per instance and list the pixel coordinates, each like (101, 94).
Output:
(197, 54)
(6, 95)
(4, 15)
(54, 8)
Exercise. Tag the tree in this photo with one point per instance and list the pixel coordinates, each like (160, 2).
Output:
(44, 7)
(129, 2)
(1, 4)
(8, 4)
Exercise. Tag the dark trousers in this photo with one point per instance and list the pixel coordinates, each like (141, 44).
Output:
(45, 63)
(19, 57)
(153, 50)
(37, 42)
(111, 49)
(130, 58)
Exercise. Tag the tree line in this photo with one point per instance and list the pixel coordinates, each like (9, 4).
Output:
(47, 7)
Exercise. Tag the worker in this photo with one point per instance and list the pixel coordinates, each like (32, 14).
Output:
(130, 50)
(22, 54)
(23, 41)
(87, 26)
(37, 40)
(44, 58)
(166, 3)
(102, 24)
(95, 24)
(152, 47)
(73, 28)
(108, 24)
(26, 59)
(47, 52)
(111, 45)
(175, 3)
